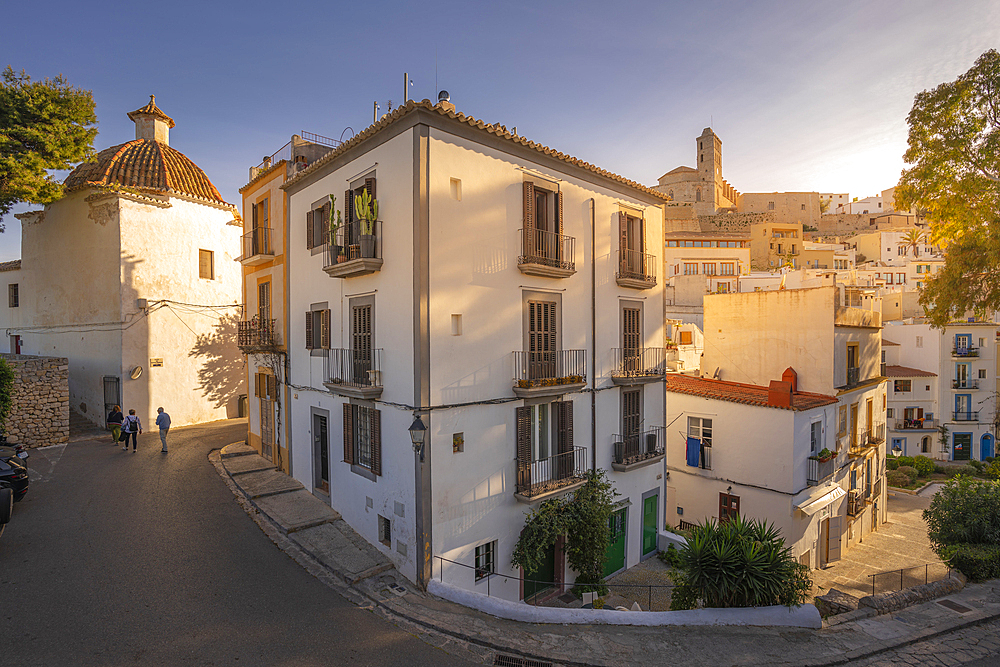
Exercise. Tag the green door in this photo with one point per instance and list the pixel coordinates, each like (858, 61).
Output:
(542, 578)
(962, 447)
(649, 524)
(614, 560)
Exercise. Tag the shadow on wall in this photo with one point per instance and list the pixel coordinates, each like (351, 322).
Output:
(223, 368)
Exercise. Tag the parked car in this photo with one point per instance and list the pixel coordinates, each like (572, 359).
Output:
(14, 476)
(6, 507)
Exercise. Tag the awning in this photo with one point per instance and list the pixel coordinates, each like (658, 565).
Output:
(812, 505)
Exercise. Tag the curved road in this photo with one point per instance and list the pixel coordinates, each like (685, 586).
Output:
(117, 558)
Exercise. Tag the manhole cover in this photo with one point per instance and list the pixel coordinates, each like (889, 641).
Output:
(954, 606)
(567, 597)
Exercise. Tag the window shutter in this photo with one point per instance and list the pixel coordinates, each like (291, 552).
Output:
(253, 216)
(349, 231)
(309, 231)
(559, 213)
(272, 387)
(370, 187)
(322, 228)
(565, 426)
(376, 435)
(529, 205)
(348, 433)
(309, 330)
(623, 230)
(324, 330)
(523, 425)
(262, 210)
(256, 385)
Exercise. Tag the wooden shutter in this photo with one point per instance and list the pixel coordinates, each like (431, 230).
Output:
(523, 442)
(253, 216)
(529, 206)
(349, 231)
(272, 387)
(309, 330)
(375, 431)
(559, 214)
(370, 187)
(324, 329)
(309, 231)
(256, 385)
(323, 228)
(631, 332)
(623, 231)
(565, 425)
(348, 433)
(262, 208)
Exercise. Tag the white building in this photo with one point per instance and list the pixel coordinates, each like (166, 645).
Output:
(753, 440)
(866, 206)
(835, 199)
(509, 295)
(964, 358)
(719, 257)
(130, 276)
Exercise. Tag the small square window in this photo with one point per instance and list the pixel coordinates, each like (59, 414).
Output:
(982, 373)
(384, 531)
(888, 413)
(12, 296)
(457, 442)
(485, 560)
(206, 264)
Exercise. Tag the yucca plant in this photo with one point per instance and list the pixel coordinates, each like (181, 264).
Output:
(738, 563)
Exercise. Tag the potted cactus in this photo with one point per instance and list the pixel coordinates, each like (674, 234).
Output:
(333, 224)
(366, 210)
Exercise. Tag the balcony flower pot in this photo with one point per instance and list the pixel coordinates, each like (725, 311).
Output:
(367, 245)
(825, 455)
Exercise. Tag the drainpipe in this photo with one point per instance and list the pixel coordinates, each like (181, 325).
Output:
(593, 336)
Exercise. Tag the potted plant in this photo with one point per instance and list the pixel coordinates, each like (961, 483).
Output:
(366, 209)
(333, 224)
(825, 455)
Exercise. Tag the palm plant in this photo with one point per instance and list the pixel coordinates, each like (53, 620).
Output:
(738, 563)
(913, 239)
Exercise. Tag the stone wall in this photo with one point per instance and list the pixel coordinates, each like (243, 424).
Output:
(733, 222)
(40, 412)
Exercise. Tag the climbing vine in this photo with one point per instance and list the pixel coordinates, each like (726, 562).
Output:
(6, 393)
(583, 518)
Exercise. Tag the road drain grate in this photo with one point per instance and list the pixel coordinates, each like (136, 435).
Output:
(954, 606)
(502, 660)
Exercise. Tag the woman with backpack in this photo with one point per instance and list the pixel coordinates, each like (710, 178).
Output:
(131, 426)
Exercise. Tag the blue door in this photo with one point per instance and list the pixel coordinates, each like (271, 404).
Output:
(985, 446)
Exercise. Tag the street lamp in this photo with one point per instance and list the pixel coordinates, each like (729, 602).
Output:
(418, 432)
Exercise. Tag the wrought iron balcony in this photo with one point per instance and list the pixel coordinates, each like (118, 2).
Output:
(965, 384)
(257, 247)
(966, 416)
(634, 365)
(255, 335)
(863, 441)
(818, 470)
(856, 502)
(638, 449)
(547, 254)
(965, 351)
(558, 472)
(354, 373)
(549, 373)
(354, 250)
(917, 425)
(636, 269)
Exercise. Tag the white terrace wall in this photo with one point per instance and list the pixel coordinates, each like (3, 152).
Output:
(40, 412)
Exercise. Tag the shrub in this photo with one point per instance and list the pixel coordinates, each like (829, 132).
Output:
(940, 469)
(924, 465)
(966, 471)
(976, 561)
(989, 459)
(671, 556)
(978, 465)
(897, 479)
(904, 461)
(739, 563)
(964, 511)
(909, 471)
(891, 464)
(992, 470)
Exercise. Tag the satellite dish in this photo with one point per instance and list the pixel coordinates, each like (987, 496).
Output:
(135, 373)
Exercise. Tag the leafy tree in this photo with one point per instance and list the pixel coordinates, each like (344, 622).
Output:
(964, 511)
(954, 150)
(44, 125)
(738, 563)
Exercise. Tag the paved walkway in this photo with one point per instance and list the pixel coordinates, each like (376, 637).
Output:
(900, 542)
(343, 563)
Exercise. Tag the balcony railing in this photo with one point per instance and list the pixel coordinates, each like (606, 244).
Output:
(535, 478)
(639, 362)
(547, 253)
(643, 446)
(855, 502)
(965, 416)
(853, 376)
(817, 470)
(965, 384)
(917, 425)
(881, 369)
(255, 334)
(257, 242)
(549, 369)
(356, 249)
(866, 439)
(636, 269)
(965, 351)
(354, 369)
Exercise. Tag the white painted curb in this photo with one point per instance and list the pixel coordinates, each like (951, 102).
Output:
(805, 616)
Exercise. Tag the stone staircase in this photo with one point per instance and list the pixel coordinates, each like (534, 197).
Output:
(81, 428)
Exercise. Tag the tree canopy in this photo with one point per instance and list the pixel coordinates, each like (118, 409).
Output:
(954, 179)
(44, 125)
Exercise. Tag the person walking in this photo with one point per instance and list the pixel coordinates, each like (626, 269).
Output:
(115, 418)
(163, 421)
(132, 427)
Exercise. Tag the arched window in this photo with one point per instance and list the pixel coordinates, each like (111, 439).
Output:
(697, 194)
(925, 444)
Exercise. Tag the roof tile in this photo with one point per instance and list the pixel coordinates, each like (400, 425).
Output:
(738, 392)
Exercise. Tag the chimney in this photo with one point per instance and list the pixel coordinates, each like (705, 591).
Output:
(151, 123)
(791, 378)
(779, 394)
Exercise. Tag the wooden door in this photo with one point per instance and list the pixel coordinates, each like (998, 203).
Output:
(833, 531)
(614, 559)
(729, 506)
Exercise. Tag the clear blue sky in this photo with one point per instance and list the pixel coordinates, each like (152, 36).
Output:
(805, 95)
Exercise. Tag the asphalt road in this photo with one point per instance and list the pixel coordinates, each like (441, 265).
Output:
(116, 558)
